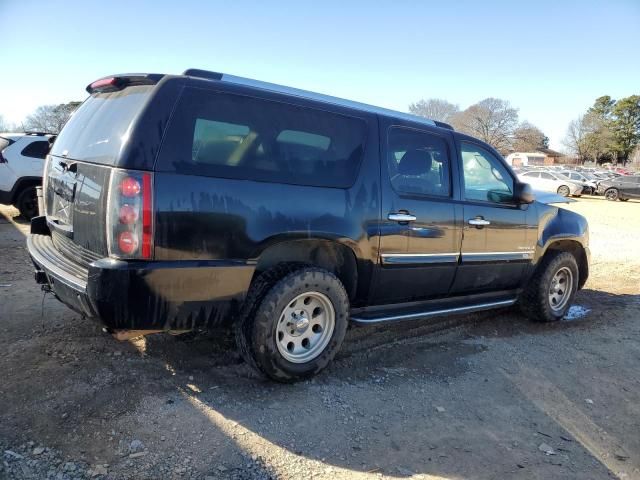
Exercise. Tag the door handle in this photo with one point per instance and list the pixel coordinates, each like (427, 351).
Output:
(402, 217)
(479, 222)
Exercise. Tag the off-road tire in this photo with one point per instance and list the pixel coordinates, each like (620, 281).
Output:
(534, 300)
(27, 203)
(269, 294)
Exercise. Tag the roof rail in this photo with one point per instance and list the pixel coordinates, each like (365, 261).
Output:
(38, 133)
(205, 74)
(443, 125)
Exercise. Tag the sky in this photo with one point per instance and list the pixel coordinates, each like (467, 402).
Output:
(549, 58)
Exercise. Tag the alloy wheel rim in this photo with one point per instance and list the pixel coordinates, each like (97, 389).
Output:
(560, 289)
(305, 327)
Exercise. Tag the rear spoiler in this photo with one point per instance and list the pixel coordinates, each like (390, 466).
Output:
(114, 83)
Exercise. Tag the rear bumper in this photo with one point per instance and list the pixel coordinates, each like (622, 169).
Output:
(143, 295)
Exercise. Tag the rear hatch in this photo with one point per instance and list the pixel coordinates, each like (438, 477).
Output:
(79, 167)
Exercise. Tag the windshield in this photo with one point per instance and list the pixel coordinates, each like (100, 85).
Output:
(98, 129)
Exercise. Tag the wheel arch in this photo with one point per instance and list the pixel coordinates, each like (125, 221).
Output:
(334, 256)
(22, 183)
(575, 248)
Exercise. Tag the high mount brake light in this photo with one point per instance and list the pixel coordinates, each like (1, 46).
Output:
(130, 215)
(103, 82)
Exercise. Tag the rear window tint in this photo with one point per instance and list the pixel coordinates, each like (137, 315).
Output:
(234, 136)
(37, 149)
(96, 131)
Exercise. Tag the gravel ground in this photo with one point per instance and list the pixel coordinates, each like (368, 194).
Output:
(479, 396)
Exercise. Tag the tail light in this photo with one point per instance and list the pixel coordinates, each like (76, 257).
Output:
(130, 215)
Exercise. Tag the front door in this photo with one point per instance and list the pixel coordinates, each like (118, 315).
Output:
(421, 225)
(499, 237)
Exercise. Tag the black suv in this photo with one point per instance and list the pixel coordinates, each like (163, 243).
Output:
(181, 202)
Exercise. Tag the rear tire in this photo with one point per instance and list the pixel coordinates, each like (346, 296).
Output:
(549, 293)
(293, 322)
(27, 203)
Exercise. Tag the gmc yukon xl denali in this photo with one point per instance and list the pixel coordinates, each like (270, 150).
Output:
(184, 202)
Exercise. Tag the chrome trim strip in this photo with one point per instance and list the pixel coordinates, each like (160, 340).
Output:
(529, 252)
(434, 313)
(418, 258)
(419, 254)
(497, 256)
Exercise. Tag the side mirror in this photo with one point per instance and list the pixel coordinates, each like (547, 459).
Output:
(523, 193)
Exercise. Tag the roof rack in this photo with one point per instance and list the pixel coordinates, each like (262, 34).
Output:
(217, 76)
(38, 133)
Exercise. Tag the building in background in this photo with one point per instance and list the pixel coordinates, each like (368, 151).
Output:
(542, 156)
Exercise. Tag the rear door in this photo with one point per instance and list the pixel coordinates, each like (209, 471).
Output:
(499, 236)
(420, 229)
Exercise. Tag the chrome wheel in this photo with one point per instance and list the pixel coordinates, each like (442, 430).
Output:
(305, 327)
(560, 289)
(564, 191)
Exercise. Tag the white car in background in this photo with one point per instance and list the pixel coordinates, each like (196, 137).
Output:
(21, 166)
(551, 182)
(588, 186)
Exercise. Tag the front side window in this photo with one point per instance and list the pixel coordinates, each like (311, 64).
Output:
(418, 162)
(485, 177)
(234, 136)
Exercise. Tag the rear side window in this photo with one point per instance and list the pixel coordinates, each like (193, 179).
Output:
(234, 136)
(418, 162)
(37, 149)
(98, 129)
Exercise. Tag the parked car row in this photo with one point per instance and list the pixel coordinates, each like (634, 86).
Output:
(576, 181)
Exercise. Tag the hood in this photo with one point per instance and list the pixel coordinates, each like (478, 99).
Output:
(550, 197)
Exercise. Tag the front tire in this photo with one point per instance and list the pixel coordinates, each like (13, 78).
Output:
(27, 203)
(549, 293)
(293, 325)
(611, 194)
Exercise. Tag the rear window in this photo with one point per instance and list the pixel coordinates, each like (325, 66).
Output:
(96, 131)
(234, 136)
(37, 149)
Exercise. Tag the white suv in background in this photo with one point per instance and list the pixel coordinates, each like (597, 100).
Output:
(551, 182)
(21, 166)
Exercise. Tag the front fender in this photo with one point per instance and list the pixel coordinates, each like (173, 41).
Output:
(563, 229)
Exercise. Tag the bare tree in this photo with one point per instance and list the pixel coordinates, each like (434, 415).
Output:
(492, 120)
(435, 109)
(50, 118)
(574, 139)
(528, 138)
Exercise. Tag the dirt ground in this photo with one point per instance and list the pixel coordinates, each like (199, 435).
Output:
(470, 397)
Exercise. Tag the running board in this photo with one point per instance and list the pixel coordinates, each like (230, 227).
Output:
(434, 313)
